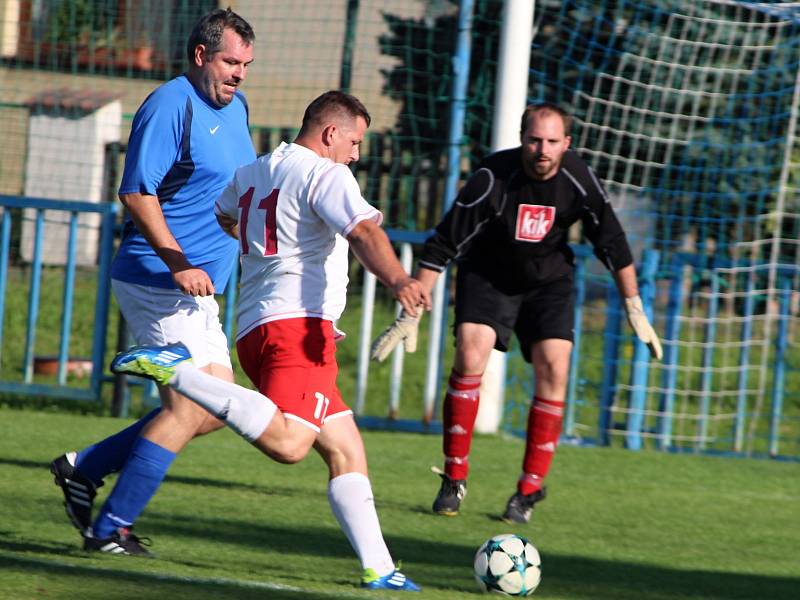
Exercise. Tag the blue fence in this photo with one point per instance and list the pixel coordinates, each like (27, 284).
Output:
(36, 207)
(644, 393)
(735, 391)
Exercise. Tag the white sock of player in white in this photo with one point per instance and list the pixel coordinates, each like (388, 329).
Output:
(245, 411)
(350, 496)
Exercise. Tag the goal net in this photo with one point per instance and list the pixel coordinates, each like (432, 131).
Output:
(688, 111)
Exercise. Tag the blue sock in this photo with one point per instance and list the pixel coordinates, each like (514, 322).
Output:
(109, 456)
(140, 478)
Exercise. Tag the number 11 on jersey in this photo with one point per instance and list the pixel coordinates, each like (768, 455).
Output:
(269, 205)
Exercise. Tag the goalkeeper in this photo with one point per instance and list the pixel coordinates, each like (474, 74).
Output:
(508, 231)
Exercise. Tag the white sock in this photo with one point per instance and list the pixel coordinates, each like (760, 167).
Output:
(353, 506)
(245, 411)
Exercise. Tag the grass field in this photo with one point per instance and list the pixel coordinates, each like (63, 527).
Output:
(229, 523)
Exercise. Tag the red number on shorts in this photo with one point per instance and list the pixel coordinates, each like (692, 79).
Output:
(268, 204)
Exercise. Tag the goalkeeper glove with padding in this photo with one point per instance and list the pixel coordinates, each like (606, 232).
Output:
(641, 326)
(404, 329)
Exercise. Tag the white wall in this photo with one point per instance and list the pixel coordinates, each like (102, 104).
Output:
(65, 162)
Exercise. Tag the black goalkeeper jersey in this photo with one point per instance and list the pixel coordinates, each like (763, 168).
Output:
(513, 229)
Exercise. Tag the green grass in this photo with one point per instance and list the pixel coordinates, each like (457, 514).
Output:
(229, 523)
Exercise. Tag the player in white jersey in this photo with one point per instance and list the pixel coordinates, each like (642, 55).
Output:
(296, 211)
(297, 208)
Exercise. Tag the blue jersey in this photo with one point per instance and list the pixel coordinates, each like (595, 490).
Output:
(184, 150)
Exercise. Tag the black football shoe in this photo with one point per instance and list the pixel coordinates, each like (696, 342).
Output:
(451, 493)
(122, 541)
(519, 507)
(79, 491)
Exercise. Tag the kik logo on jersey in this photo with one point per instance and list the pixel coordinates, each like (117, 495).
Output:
(534, 221)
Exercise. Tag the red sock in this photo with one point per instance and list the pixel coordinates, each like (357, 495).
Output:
(460, 410)
(544, 429)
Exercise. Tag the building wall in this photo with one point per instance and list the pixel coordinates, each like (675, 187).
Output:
(299, 47)
(299, 55)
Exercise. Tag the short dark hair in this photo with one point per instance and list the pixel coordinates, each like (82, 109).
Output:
(322, 107)
(208, 31)
(546, 107)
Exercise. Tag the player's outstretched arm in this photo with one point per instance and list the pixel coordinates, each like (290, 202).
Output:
(628, 287)
(371, 246)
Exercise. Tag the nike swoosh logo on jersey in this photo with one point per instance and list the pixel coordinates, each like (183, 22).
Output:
(214, 130)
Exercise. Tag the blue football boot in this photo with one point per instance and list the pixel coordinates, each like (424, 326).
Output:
(393, 581)
(153, 362)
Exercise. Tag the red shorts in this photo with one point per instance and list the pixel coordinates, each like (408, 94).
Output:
(293, 363)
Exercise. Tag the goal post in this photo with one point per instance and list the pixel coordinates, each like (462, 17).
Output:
(511, 96)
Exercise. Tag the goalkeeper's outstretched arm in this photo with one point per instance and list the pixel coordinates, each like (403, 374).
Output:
(371, 246)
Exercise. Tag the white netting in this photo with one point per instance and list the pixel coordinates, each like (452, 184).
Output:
(688, 111)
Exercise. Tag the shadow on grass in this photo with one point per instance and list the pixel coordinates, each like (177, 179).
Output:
(93, 581)
(436, 562)
(434, 565)
(25, 464)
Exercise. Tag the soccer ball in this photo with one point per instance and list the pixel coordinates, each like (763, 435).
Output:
(508, 564)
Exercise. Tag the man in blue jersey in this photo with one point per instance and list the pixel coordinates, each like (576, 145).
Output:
(187, 139)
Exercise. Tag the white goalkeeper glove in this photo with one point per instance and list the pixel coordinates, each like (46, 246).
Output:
(641, 326)
(404, 329)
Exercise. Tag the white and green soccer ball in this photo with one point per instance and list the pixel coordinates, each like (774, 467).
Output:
(508, 564)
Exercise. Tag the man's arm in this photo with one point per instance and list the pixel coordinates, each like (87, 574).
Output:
(475, 206)
(372, 248)
(145, 211)
(472, 209)
(427, 277)
(600, 223)
(601, 226)
(229, 225)
(625, 278)
(628, 287)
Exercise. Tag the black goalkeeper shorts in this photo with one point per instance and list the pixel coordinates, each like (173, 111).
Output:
(543, 313)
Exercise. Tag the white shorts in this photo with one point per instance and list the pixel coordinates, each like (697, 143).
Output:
(158, 316)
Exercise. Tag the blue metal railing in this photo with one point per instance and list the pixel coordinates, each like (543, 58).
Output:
(641, 355)
(107, 220)
(614, 362)
(681, 267)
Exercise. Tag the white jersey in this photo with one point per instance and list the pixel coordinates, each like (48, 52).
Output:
(294, 210)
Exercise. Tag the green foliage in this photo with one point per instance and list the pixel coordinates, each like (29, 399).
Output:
(80, 21)
(230, 524)
(423, 80)
(699, 129)
(422, 83)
